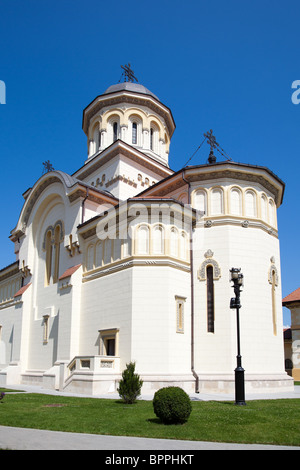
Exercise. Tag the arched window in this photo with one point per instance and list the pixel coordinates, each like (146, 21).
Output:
(143, 240)
(96, 139)
(117, 248)
(99, 254)
(107, 251)
(151, 138)
(134, 133)
(154, 136)
(200, 201)
(216, 201)
(174, 242)
(210, 299)
(158, 240)
(57, 240)
(90, 258)
(183, 246)
(264, 208)
(115, 131)
(250, 204)
(48, 247)
(236, 202)
(271, 213)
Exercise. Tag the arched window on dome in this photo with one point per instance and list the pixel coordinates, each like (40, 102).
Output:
(115, 131)
(264, 207)
(151, 138)
(96, 139)
(271, 212)
(134, 133)
(154, 138)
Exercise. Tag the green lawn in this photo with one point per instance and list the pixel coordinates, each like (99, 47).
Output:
(261, 421)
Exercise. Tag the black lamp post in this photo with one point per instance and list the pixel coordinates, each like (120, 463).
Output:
(237, 279)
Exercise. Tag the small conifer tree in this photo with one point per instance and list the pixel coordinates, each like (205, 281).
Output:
(130, 385)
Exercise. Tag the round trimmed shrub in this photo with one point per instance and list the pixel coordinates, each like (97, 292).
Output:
(172, 405)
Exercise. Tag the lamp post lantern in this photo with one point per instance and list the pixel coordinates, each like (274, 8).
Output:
(238, 281)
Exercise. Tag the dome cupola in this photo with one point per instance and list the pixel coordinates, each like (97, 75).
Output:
(129, 112)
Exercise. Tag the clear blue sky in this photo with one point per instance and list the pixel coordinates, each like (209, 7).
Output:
(221, 65)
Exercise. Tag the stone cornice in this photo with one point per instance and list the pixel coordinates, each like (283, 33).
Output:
(121, 148)
(120, 97)
(221, 170)
(133, 261)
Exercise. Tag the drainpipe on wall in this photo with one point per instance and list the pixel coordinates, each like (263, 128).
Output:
(82, 204)
(192, 292)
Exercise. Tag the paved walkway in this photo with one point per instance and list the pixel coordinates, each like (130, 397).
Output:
(33, 439)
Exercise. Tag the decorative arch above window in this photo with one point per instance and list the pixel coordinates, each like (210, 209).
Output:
(209, 261)
(53, 229)
(53, 237)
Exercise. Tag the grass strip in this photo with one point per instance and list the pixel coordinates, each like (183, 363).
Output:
(274, 422)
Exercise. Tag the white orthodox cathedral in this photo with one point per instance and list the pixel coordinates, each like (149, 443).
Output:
(126, 260)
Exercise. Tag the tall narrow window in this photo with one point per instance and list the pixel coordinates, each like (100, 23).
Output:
(151, 138)
(274, 303)
(46, 329)
(180, 314)
(134, 133)
(210, 300)
(57, 236)
(115, 128)
(48, 257)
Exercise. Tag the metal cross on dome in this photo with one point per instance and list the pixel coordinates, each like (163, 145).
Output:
(128, 73)
(211, 140)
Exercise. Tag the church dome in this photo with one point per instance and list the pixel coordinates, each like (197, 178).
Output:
(130, 86)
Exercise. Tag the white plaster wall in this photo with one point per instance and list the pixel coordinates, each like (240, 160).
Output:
(249, 249)
(51, 206)
(156, 346)
(11, 321)
(124, 167)
(107, 304)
